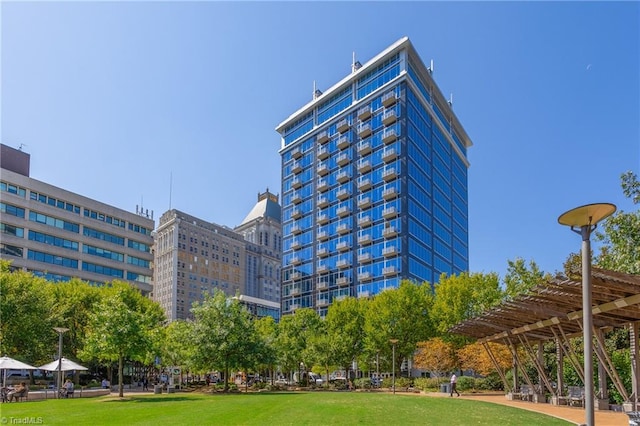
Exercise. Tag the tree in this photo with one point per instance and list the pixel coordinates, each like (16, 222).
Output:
(176, 349)
(520, 279)
(295, 332)
(435, 355)
(73, 302)
(123, 326)
(620, 234)
(461, 297)
(26, 328)
(345, 326)
(267, 329)
(224, 335)
(403, 314)
(474, 357)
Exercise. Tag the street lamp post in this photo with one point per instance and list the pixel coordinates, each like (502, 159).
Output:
(584, 220)
(393, 362)
(61, 331)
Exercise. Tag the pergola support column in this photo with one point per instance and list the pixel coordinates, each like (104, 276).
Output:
(634, 349)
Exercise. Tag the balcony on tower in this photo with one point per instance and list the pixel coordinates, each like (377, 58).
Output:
(364, 276)
(323, 252)
(389, 232)
(389, 99)
(323, 153)
(320, 285)
(296, 183)
(343, 263)
(389, 271)
(364, 165)
(364, 258)
(389, 136)
(389, 155)
(296, 198)
(343, 159)
(343, 211)
(296, 213)
(323, 169)
(342, 281)
(389, 174)
(323, 137)
(296, 167)
(323, 201)
(295, 291)
(295, 244)
(364, 183)
(296, 275)
(364, 130)
(323, 185)
(389, 212)
(389, 193)
(389, 117)
(342, 246)
(364, 147)
(295, 261)
(322, 302)
(343, 125)
(296, 229)
(343, 176)
(364, 239)
(364, 202)
(343, 194)
(343, 142)
(322, 235)
(364, 220)
(322, 269)
(389, 251)
(296, 153)
(323, 218)
(343, 228)
(364, 113)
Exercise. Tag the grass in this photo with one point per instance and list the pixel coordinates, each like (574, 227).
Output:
(272, 409)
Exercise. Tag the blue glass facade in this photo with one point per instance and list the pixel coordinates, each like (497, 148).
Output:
(374, 183)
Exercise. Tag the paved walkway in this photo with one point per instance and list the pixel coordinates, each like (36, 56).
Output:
(572, 414)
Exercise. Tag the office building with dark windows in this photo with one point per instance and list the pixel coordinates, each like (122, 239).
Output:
(374, 184)
(60, 235)
(193, 257)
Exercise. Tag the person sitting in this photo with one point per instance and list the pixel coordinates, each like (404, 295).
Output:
(105, 383)
(67, 388)
(19, 392)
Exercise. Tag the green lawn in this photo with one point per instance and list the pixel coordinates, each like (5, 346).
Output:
(271, 409)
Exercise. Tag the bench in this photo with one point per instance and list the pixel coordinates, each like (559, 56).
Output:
(575, 395)
(526, 393)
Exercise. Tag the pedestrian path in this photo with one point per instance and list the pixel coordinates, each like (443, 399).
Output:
(572, 414)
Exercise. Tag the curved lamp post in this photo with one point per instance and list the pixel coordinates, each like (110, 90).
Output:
(61, 331)
(583, 220)
(393, 366)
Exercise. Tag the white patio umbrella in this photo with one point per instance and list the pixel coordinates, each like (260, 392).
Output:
(65, 365)
(7, 363)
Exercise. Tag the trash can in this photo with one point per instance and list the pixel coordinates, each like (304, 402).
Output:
(157, 389)
(634, 418)
(445, 387)
(171, 389)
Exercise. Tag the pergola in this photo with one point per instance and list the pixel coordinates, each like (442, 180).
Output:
(553, 311)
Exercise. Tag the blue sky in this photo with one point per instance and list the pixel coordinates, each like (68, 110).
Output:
(115, 100)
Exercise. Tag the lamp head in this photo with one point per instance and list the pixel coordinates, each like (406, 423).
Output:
(586, 215)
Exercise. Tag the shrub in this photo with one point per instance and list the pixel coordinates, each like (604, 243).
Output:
(466, 383)
(363, 383)
(491, 382)
(427, 383)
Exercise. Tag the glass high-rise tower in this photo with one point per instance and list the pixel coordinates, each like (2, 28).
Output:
(374, 184)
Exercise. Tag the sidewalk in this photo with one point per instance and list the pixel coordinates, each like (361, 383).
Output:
(572, 414)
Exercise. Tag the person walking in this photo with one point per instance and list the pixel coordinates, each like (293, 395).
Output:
(454, 382)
